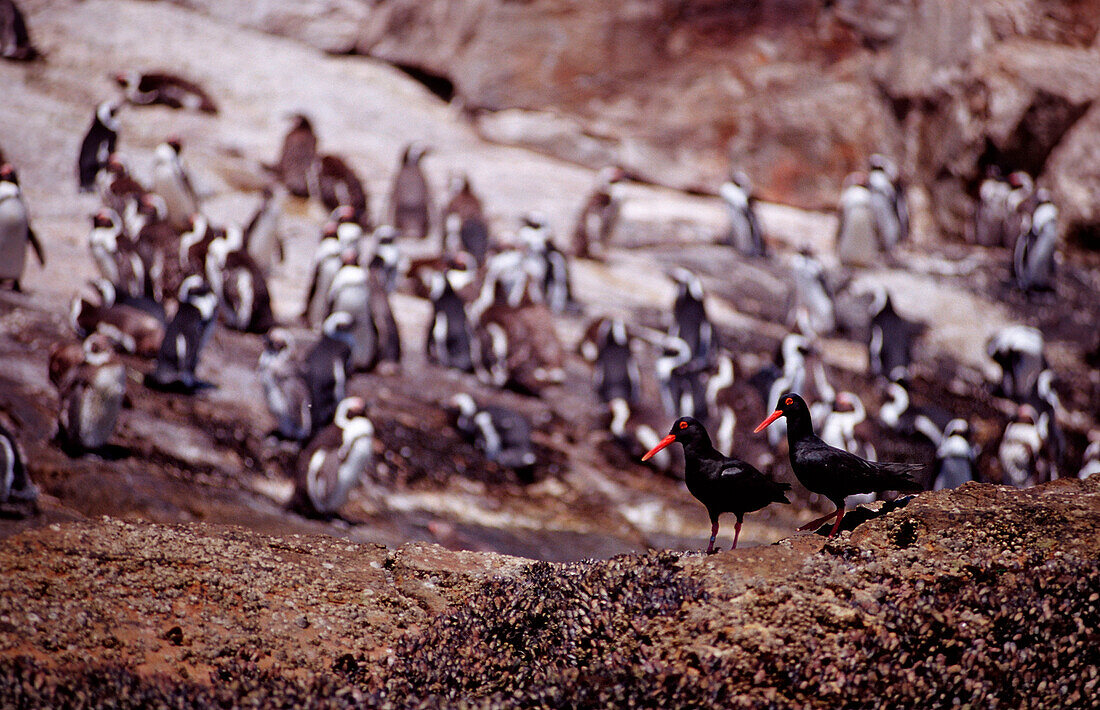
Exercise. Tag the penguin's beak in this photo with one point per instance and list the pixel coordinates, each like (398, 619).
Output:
(660, 445)
(764, 424)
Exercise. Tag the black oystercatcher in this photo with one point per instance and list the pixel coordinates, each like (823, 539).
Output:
(721, 483)
(832, 472)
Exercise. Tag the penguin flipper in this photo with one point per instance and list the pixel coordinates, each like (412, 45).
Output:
(37, 246)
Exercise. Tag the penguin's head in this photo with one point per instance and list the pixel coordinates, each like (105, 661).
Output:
(97, 349)
(350, 408)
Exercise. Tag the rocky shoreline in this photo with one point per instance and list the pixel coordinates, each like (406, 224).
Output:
(986, 596)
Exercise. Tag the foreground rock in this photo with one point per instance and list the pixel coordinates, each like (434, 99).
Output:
(985, 595)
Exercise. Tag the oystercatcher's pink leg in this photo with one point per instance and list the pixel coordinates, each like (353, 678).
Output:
(713, 535)
(736, 534)
(816, 523)
(839, 517)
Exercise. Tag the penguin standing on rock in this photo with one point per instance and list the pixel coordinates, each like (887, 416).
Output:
(335, 183)
(857, 238)
(240, 285)
(1021, 449)
(334, 461)
(890, 341)
(744, 232)
(410, 198)
(350, 293)
(114, 254)
(15, 229)
(327, 260)
(814, 308)
(600, 215)
(91, 397)
(888, 201)
(285, 390)
(15, 39)
(98, 145)
(262, 238)
(185, 337)
(607, 345)
(172, 183)
(297, 157)
(689, 317)
(955, 457)
(17, 492)
(326, 368)
(1018, 350)
(450, 338)
(1033, 262)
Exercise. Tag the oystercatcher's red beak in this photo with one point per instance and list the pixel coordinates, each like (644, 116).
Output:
(660, 445)
(764, 424)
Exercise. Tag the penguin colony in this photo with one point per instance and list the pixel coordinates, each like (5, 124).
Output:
(170, 277)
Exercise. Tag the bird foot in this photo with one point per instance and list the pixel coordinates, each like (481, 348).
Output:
(818, 522)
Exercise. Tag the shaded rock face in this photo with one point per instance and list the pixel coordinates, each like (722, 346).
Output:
(985, 594)
(795, 92)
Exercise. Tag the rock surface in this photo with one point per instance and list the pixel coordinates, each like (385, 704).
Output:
(985, 594)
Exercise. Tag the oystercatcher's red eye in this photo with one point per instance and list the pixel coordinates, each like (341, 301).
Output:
(683, 425)
(789, 401)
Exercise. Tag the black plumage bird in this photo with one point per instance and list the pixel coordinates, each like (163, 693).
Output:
(721, 483)
(832, 472)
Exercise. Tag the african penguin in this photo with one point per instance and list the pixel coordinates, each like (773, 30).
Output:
(888, 201)
(608, 346)
(449, 341)
(814, 309)
(956, 458)
(857, 239)
(1033, 262)
(172, 183)
(16, 488)
(599, 215)
(410, 197)
(263, 238)
(350, 293)
(334, 461)
(689, 317)
(91, 397)
(129, 328)
(185, 337)
(297, 156)
(15, 39)
(325, 367)
(285, 390)
(99, 143)
(327, 260)
(334, 182)
(991, 214)
(744, 233)
(898, 414)
(15, 229)
(1018, 350)
(890, 338)
(1020, 449)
